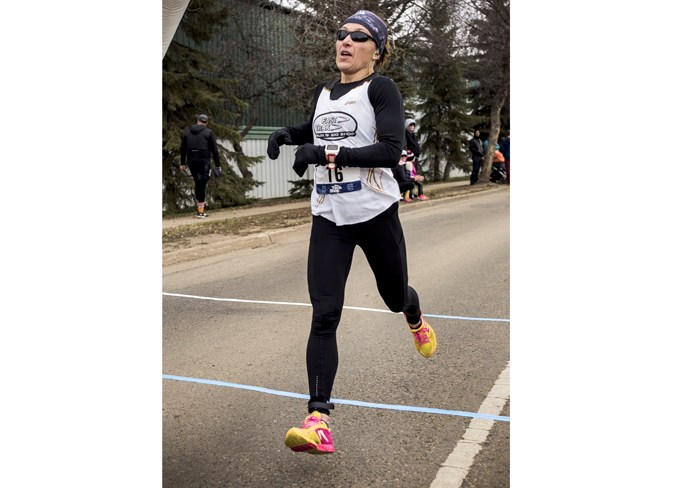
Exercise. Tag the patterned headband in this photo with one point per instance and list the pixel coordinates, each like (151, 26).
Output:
(372, 22)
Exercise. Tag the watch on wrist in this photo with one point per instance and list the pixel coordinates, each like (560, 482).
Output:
(330, 152)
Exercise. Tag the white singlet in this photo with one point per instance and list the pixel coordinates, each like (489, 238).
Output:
(349, 195)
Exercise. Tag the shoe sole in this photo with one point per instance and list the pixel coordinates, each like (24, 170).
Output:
(298, 442)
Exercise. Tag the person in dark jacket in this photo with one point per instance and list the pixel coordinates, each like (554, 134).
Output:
(477, 155)
(411, 144)
(197, 147)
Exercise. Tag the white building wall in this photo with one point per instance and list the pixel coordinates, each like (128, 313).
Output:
(274, 174)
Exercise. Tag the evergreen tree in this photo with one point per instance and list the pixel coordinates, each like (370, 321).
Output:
(189, 88)
(445, 123)
(443, 92)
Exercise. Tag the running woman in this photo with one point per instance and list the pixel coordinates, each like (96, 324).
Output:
(353, 140)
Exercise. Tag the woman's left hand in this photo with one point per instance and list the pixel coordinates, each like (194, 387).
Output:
(306, 155)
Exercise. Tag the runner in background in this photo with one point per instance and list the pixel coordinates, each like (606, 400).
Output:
(198, 146)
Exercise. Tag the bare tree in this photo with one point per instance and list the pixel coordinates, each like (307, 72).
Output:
(250, 50)
(313, 60)
(434, 42)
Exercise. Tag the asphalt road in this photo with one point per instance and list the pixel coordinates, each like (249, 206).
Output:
(222, 435)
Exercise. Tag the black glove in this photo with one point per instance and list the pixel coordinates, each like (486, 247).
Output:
(306, 155)
(276, 139)
(217, 172)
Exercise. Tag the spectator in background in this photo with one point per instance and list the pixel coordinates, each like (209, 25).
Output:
(505, 149)
(411, 144)
(498, 174)
(477, 155)
(412, 171)
(485, 145)
(406, 184)
(198, 146)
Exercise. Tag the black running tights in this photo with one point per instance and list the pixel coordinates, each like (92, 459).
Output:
(200, 172)
(329, 259)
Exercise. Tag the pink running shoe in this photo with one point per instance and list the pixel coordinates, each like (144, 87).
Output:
(314, 437)
(424, 339)
(423, 197)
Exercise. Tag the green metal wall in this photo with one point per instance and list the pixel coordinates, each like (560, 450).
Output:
(255, 48)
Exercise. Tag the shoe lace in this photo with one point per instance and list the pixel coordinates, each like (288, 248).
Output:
(421, 336)
(310, 421)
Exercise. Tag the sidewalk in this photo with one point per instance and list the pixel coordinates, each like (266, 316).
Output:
(196, 245)
(228, 213)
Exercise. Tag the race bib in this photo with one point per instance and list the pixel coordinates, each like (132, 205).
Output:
(337, 180)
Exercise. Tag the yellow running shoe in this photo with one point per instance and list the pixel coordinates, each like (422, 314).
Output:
(314, 437)
(424, 339)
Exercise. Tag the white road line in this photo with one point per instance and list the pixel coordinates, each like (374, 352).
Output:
(456, 467)
(296, 304)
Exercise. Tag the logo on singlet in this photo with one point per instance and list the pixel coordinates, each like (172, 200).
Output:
(334, 126)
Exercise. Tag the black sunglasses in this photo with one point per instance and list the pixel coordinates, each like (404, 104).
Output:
(357, 36)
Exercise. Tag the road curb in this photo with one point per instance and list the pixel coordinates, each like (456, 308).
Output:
(227, 245)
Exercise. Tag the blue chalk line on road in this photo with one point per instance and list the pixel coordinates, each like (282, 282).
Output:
(296, 304)
(404, 408)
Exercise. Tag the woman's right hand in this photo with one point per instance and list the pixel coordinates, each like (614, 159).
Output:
(277, 139)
